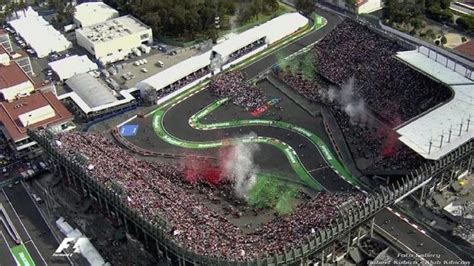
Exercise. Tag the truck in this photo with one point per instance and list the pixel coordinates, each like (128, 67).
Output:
(69, 27)
(145, 49)
(137, 52)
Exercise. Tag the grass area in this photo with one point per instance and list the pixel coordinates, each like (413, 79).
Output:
(271, 193)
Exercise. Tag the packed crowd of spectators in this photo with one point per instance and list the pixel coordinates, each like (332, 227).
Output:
(232, 85)
(183, 82)
(151, 190)
(245, 50)
(369, 140)
(392, 91)
(390, 88)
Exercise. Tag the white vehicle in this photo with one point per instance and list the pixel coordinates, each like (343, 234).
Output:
(145, 49)
(69, 27)
(137, 52)
(36, 198)
(160, 63)
(144, 70)
(145, 61)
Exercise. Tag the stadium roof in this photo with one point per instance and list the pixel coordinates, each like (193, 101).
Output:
(445, 126)
(273, 30)
(176, 72)
(11, 113)
(72, 65)
(41, 36)
(90, 13)
(90, 90)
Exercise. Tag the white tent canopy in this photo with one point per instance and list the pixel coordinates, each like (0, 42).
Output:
(72, 65)
(40, 35)
(176, 72)
(442, 129)
(272, 30)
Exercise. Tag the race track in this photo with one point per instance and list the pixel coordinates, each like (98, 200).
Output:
(180, 122)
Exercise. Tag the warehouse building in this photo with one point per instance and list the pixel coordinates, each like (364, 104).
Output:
(114, 39)
(91, 13)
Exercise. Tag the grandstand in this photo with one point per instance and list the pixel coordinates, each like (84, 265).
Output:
(158, 205)
(443, 128)
(159, 194)
(231, 51)
(370, 92)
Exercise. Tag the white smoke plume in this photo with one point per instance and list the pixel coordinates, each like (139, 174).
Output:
(350, 103)
(240, 167)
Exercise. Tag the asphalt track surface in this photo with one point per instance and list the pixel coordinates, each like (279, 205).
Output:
(176, 122)
(408, 237)
(405, 233)
(31, 227)
(20, 227)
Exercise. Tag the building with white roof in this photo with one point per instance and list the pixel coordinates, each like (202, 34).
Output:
(114, 39)
(91, 98)
(260, 37)
(445, 127)
(267, 33)
(176, 72)
(72, 65)
(90, 13)
(358, 6)
(40, 35)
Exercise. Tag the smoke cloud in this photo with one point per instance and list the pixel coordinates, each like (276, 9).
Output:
(350, 103)
(239, 167)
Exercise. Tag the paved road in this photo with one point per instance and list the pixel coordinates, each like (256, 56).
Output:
(6, 257)
(31, 227)
(412, 238)
(175, 121)
(21, 228)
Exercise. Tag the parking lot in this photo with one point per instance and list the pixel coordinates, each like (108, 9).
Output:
(152, 66)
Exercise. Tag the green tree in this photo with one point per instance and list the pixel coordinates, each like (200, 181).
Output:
(444, 40)
(466, 23)
(305, 6)
(256, 8)
(270, 6)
